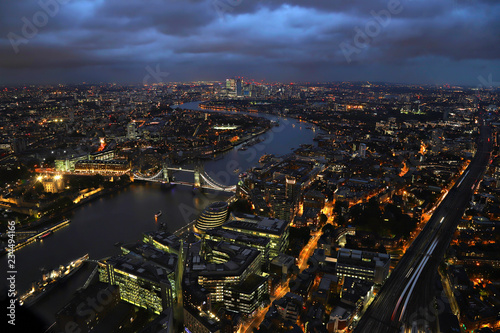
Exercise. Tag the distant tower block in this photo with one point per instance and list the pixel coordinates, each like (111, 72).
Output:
(132, 131)
(362, 150)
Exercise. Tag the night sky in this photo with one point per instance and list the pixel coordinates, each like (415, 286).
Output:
(122, 41)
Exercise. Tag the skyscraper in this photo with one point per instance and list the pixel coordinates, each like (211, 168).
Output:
(230, 84)
(239, 87)
(362, 150)
(131, 131)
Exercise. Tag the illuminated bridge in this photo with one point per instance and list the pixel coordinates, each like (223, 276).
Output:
(201, 179)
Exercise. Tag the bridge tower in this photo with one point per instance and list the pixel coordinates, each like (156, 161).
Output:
(198, 170)
(166, 173)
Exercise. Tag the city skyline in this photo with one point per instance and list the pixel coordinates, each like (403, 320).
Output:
(237, 166)
(239, 207)
(56, 41)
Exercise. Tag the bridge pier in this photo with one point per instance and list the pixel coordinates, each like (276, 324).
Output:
(167, 175)
(198, 170)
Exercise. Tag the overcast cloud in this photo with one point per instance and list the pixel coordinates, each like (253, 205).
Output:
(426, 41)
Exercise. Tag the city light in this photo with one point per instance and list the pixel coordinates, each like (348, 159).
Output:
(255, 204)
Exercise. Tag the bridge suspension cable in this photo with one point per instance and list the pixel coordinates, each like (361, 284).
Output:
(142, 177)
(216, 185)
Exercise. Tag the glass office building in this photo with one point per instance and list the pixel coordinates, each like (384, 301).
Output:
(141, 283)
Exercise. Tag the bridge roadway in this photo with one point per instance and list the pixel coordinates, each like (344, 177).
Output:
(405, 302)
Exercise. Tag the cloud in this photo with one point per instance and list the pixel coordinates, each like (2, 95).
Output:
(114, 40)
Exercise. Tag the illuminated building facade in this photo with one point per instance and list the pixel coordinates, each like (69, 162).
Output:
(261, 244)
(277, 231)
(212, 216)
(229, 274)
(199, 322)
(163, 240)
(103, 167)
(52, 184)
(132, 131)
(141, 282)
(246, 297)
(363, 265)
(69, 163)
(168, 261)
(105, 155)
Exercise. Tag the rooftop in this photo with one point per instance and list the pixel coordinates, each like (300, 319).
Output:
(238, 237)
(241, 257)
(139, 267)
(256, 223)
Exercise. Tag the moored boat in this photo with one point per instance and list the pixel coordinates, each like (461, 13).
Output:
(51, 280)
(46, 234)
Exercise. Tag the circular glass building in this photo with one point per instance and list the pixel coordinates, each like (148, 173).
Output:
(213, 216)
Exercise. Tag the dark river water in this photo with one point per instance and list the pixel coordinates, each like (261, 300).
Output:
(124, 215)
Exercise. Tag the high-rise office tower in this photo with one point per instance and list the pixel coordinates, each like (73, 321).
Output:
(362, 150)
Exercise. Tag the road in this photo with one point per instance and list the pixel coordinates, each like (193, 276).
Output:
(308, 250)
(405, 302)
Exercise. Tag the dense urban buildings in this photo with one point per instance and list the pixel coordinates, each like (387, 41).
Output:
(317, 237)
(228, 166)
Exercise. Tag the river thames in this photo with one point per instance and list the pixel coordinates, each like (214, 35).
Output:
(124, 215)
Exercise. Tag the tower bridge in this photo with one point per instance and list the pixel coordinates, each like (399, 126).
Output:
(201, 179)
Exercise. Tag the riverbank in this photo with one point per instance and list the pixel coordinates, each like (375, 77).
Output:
(220, 151)
(51, 222)
(232, 109)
